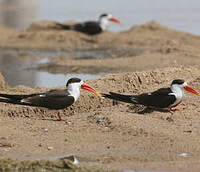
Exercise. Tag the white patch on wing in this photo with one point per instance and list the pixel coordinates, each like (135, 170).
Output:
(172, 94)
(24, 101)
(42, 95)
(134, 100)
(149, 94)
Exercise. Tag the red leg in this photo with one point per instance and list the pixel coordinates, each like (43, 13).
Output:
(59, 117)
(173, 110)
(177, 109)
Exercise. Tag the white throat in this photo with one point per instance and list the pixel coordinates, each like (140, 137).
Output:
(178, 92)
(74, 90)
(104, 23)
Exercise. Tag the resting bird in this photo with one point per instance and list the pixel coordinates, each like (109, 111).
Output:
(161, 99)
(92, 27)
(53, 99)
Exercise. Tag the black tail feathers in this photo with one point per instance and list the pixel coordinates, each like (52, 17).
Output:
(119, 97)
(64, 26)
(14, 97)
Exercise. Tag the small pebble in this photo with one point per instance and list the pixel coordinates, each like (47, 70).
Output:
(175, 62)
(8, 149)
(50, 148)
(46, 129)
(184, 154)
(75, 161)
(129, 171)
(99, 120)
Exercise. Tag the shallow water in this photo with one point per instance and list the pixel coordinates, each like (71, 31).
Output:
(178, 14)
(17, 69)
(21, 67)
(120, 153)
(142, 171)
(83, 157)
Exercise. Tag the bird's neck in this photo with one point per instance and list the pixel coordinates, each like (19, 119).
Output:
(103, 23)
(178, 92)
(74, 91)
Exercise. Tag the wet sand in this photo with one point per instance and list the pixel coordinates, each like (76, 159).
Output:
(112, 137)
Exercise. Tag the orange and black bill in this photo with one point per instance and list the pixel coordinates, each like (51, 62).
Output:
(192, 90)
(89, 88)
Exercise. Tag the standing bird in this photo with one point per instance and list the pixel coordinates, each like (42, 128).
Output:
(91, 27)
(53, 99)
(161, 99)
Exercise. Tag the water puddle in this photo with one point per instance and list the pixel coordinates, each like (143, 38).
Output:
(122, 153)
(37, 68)
(119, 155)
(96, 53)
(14, 65)
(109, 52)
(142, 171)
(111, 157)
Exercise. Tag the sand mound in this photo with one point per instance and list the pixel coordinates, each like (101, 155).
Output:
(47, 35)
(47, 25)
(131, 83)
(44, 25)
(3, 84)
(154, 34)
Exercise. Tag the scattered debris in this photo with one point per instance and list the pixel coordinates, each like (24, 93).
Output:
(50, 148)
(71, 158)
(5, 143)
(184, 154)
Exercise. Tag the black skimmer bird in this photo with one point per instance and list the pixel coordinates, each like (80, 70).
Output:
(53, 99)
(161, 99)
(92, 27)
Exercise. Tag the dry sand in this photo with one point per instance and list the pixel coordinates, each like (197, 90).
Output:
(112, 137)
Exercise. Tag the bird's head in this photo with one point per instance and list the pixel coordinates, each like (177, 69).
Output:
(179, 83)
(104, 20)
(74, 85)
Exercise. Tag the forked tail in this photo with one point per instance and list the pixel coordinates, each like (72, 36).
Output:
(119, 97)
(15, 97)
(64, 26)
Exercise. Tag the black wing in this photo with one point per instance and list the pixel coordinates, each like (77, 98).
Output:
(90, 27)
(119, 97)
(54, 99)
(63, 26)
(158, 99)
(17, 97)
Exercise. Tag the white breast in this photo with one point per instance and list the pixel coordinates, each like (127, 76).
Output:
(104, 23)
(178, 92)
(74, 90)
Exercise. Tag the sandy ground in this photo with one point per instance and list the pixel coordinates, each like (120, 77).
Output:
(101, 134)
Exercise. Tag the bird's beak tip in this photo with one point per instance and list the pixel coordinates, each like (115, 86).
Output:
(99, 94)
(114, 20)
(190, 89)
(89, 88)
